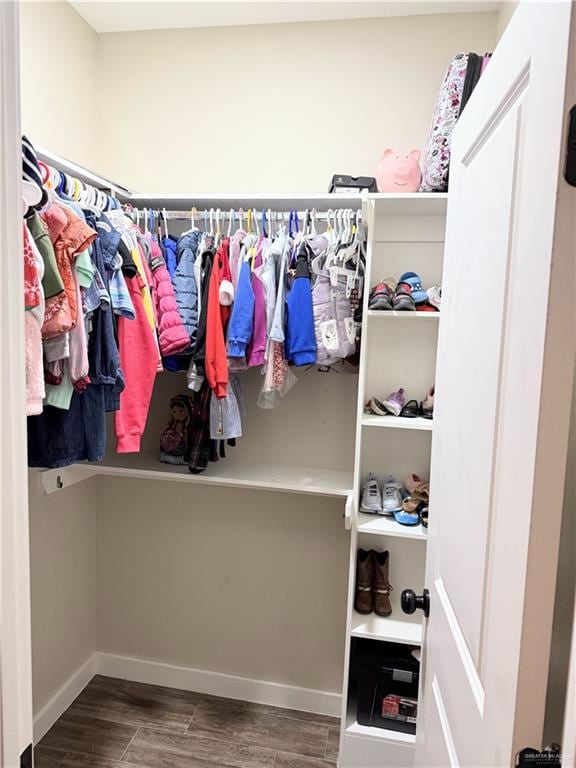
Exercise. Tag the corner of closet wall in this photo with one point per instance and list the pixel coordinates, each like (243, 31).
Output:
(59, 79)
(505, 13)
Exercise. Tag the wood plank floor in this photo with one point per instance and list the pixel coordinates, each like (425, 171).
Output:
(119, 724)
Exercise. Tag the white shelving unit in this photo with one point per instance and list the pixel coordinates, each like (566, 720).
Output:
(406, 232)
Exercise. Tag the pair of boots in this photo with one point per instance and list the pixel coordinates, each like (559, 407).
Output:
(372, 585)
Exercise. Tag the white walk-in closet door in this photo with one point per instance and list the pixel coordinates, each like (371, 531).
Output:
(15, 641)
(503, 389)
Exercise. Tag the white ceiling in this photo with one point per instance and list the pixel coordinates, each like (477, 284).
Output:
(133, 15)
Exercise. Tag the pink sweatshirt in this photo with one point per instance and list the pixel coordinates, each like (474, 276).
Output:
(139, 360)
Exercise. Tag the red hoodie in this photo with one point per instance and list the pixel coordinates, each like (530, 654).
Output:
(216, 359)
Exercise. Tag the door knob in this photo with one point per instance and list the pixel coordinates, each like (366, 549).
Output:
(410, 601)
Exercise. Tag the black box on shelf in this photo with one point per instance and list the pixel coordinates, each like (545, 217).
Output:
(342, 184)
(386, 676)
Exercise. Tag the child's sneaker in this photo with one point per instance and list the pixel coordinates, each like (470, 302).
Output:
(414, 281)
(392, 498)
(371, 501)
(395, 402)
(382, 294)
(403, 299)
(435, 295)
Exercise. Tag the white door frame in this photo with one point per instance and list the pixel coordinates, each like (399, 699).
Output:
(15, 627)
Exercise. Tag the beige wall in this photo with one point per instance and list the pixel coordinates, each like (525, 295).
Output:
(63, 584)
(241, 582)
(505, 13)
(274, 108)
(59, 65)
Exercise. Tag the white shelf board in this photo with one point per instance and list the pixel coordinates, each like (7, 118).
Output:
(321, 201)
(409, 203)
(387, 526)
(397, 422)
(266, 477)
(370, 732)
(390, 314)
(391, 630)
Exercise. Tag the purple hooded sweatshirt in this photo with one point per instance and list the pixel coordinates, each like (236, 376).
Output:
(257, 346)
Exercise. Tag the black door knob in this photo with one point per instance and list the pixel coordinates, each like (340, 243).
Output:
(410, 601)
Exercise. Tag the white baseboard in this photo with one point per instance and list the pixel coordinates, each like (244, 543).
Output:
(219, 684)
(62, 699)
(187, 679)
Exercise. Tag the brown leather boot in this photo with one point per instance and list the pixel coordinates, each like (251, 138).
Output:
(381, 584)
(364, 580)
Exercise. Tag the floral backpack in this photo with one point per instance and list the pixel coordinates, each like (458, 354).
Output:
(437, 157)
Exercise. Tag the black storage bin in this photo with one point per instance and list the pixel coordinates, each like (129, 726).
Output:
(386, 677)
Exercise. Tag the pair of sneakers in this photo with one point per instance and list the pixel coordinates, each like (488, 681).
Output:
(405, 295)
(396, 405)
(381, 502)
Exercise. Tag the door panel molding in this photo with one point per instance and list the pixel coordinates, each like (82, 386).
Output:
(466, 658)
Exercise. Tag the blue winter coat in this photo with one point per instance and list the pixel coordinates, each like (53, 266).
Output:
(185, 289)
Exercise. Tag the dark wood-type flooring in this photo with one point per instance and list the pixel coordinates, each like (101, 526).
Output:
(119, 724)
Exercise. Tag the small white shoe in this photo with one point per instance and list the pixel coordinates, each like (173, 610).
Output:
(392, 498)
(371, 501)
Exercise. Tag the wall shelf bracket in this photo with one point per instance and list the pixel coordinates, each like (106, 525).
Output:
(53, 480)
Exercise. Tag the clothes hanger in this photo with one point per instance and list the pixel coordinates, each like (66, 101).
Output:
(218, 232)
(264, 230)
(255, 220)
(165, 217)
(313, 230)
(231, 217)
(192, 217)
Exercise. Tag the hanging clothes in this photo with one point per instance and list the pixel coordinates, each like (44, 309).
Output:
(218, 312)
(300, 345)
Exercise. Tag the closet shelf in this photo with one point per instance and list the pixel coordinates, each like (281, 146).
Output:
(277, 201)
(266, 477)
(397, 422)
(387, 526)
(355, 729)
(383, 314)
(409, 203)
(390, 630)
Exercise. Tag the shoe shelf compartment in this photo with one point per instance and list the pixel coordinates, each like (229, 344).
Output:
(382, 525)
(397, 422)
(368, 731)
(386, 628)
(383, 314)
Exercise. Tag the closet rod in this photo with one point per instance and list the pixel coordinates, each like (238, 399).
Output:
(201, 215)
(83, 174)
(321, 202)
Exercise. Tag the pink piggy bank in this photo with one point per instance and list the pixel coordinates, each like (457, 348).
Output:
(399, 173)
